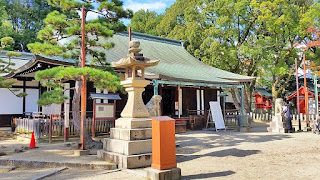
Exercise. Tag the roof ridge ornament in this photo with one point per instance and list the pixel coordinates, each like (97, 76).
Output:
(134, 50)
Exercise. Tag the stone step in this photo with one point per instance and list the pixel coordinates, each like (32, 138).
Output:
(127, 147)
(126, 161)
(131, 134)
(132, 123)
(4, 169)
(52, 164)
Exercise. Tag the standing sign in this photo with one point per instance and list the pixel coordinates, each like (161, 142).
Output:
(312, 106)
(216, 114)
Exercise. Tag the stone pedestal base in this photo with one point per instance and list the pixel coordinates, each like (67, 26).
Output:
(276, 124)
(130, 143)
(81, 152)
(126, 161)
(168, 174)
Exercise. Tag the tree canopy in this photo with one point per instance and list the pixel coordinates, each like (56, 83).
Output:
(26, 19)
(249, 37)
(61, 36)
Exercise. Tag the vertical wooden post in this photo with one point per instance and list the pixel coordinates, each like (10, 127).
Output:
(84, 83)
(24, 98)
(306, 92)
(66, 121)
(50, 129)
(114, 113)
(298, 95)
(155, 87)
(179, 101)
(242, 100)
(94, 119)
(129, 33)
(316, 95)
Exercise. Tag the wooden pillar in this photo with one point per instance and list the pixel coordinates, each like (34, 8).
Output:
(306, 92)
(94, 119)
(180, 101)
(298, 96)
(202, 102)
(242, 100)
(24, 98)
(84, 82)
(198, 102)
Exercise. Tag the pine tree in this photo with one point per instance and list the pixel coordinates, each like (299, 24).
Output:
(6, 66)
(66, 26)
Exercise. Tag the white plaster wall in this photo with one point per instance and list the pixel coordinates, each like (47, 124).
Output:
(9, 103)
(31, 100)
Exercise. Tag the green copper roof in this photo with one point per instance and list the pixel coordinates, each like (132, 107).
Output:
(18, 61)
(263, 92)
(175, 62)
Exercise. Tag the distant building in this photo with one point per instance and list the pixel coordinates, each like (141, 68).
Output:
(262, 99)
(302, 106)
(183, 81)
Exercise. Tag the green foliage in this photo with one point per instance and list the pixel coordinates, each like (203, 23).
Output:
(52, 97)
(64, 27)
(249, 37)
(145, 22)
(53, 78)
(6, 66)
(24, 20)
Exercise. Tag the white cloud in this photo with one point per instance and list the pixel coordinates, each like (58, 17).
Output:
(90, 15)
(136, 6)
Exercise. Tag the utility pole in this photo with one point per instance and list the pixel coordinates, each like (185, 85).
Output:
(306, 92)
(298, 95)
(83, 82)
(316, 95)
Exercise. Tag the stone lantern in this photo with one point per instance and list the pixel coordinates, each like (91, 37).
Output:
(130, 143)
(134, 84)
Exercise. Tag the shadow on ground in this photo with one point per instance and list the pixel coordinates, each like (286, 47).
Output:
(223, 153)
(209, 175)
(192, 142)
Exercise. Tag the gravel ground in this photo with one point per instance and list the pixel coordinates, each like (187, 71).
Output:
(228, 155)
(258, 155)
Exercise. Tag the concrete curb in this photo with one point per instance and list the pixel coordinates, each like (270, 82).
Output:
(44, 164)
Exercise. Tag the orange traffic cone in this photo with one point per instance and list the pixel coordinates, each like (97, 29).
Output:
(33, 141)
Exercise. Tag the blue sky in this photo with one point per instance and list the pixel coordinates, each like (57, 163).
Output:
(158, 6)
(153, 5)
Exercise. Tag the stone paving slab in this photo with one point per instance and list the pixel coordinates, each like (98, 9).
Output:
(54, 155)
(6, 168)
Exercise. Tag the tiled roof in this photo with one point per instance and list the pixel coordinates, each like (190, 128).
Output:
(18, 61)
(175, 62)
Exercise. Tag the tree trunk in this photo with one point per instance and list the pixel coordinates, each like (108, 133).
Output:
(76, 114)
(235, 99)
(246, 99)
(274, 96)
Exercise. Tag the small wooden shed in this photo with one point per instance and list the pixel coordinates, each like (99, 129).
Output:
(311, 96)
(263, 99)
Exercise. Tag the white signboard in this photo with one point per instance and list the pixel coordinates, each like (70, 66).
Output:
(216, 114)
(104, 111)
(51, 109)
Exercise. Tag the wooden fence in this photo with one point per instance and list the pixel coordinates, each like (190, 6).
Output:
(268, 117)
(41, 126)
